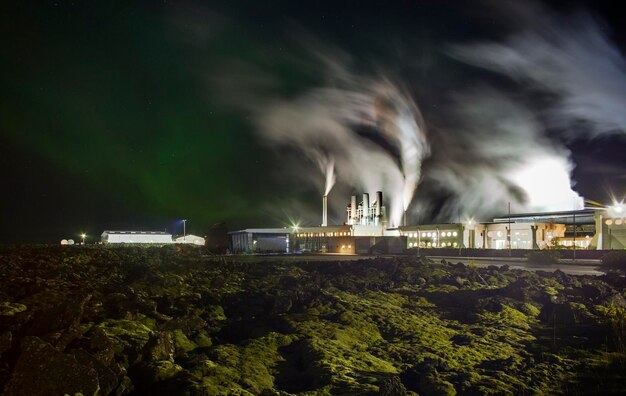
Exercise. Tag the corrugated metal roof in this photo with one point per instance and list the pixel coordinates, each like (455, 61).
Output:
(137, 232)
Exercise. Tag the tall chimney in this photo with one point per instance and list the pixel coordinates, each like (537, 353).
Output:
(325, 211)
(379, 208)
(366, 209)
(353, 214)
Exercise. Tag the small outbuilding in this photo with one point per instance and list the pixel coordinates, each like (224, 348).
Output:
(191, 239)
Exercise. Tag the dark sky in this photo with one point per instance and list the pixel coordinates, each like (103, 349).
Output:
(107, 120)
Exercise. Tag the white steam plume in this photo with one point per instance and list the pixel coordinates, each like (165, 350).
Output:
(506, 153)
(327, 167)
(324, 124)
(497, 153)
(570, 57)
(364, 132)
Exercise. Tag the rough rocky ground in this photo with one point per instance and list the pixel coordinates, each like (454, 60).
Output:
(116, 321)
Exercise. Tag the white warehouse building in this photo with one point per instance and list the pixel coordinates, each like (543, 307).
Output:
(143, 237)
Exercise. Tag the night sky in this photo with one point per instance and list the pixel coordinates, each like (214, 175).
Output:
(119, 116)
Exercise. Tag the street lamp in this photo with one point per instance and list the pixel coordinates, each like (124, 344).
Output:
(184, 229)
(83, 235)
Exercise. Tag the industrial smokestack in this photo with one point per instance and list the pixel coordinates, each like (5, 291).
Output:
(366, 209)
(325, 211)
(379, 208)
(354, 219)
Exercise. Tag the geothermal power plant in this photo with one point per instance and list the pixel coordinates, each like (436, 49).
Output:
(366, 230)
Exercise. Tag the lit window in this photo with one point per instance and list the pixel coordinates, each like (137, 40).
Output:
(343, 246)
(423, 235)
(428, 234)
(410, 244)
(455, 233)
(349, 246)
(618, 222)
(454, 244)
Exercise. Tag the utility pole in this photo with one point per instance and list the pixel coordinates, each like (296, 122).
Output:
(184, 229)
(460, 232)
(508, 234)
(574, 234)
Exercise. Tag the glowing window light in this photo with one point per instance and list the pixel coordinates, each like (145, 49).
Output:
(454, 244)
(343, 246)
(410, 244)
(618, 222)
(428, 234)
(423, 235)
(455, 233)
(609, 222)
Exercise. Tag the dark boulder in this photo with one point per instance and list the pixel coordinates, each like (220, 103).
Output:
(57, 373)
(161, 346)
(5, 341)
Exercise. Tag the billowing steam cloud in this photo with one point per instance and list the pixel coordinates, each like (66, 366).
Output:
(497, 154)
(486, 149)
(571, 58)
(367, 131)
(567, 58)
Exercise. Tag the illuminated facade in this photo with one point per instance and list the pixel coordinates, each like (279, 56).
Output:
(136, 237)
(611, 228)
(365, 231)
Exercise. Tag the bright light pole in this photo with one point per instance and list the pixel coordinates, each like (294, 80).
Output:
(83, 235)
(184, 229)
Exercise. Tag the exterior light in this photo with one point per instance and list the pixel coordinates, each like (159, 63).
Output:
(617, 209)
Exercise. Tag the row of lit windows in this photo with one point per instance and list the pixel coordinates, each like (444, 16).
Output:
(322, 234)
(344, 246)
(614, 221)
(493, 234)
(429, 244)
(432, 234)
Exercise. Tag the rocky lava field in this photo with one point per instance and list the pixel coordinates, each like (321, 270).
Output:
(115, 321)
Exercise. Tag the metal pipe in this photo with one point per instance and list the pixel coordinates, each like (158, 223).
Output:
(379, 206)
(366, 209)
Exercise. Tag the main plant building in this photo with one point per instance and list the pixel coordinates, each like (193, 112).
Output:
(366, 231)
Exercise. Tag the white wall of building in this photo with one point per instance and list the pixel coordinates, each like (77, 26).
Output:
(191, 239)
(136, 237)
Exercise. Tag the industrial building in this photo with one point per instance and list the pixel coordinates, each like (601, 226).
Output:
(143, 237)
(190, 239)
(365, 231)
